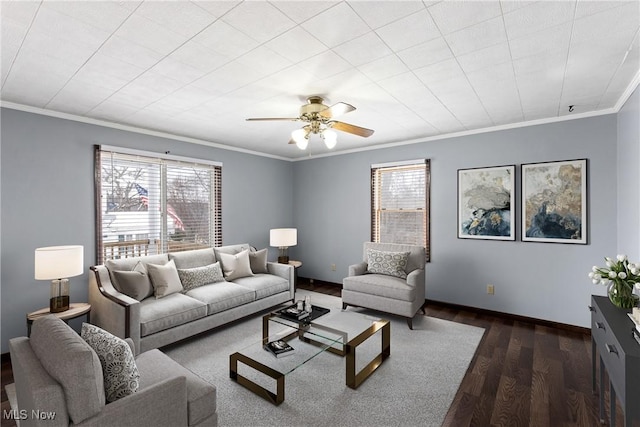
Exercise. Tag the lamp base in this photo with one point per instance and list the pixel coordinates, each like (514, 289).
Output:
(283, 259)
(58, 304)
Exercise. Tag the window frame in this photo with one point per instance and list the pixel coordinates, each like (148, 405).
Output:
(164, 162)
(381, 168)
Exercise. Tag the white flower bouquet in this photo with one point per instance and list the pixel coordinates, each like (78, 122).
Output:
(621, 276)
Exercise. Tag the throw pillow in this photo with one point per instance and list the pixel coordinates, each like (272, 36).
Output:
(236, 266)
(121, 377)
(134, 283)
(389, 263)
(198, 276)
(73, 363)
(258, 261)
(165, 279)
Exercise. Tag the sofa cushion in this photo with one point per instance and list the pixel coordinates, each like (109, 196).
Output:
(193, 258)
(176, 309)
(264, 285)
(128, 264)
(389, 263)
(155, 366)
(380, 285)
(222, 296)
(73, 363)
(118, 364)
(237, 265)
(258, 261)
(198, 276)
(165, 279)
(135, 283)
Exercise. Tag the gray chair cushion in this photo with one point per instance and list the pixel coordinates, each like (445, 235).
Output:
(73, 363)
(264, 285)
(118, 364)
(222, 296)
(155, 366)
(176, 309)
(193, 258)
(380, 285)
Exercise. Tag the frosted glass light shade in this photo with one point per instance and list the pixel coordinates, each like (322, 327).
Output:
(59, 262)
(301, 138)
(330, 138)
(283, 237)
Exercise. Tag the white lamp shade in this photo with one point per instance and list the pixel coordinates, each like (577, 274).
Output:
(283, 237)
(330, 138)
(301, 138)
(59, 262)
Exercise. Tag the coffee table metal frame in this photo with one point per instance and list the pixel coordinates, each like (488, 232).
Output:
(348, 349)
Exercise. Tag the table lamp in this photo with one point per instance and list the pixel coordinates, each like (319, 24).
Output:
(57, 263)
(283, 238)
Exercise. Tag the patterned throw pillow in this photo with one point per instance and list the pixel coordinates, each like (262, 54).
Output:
(389, 263)
(198, 276)
(121, 376)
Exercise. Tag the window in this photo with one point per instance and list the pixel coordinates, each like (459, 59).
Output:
(150, 204)
(400, 203)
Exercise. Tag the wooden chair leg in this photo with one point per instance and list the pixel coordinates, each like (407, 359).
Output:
(410, 322)
(344, 306)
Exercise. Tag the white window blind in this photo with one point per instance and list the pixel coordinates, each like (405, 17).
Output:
(400, 203)
(150, 205)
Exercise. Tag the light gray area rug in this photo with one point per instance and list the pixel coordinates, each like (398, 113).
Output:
(413, 387)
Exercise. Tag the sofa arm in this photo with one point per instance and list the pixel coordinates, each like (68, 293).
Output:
(111, 310)
(285, 271)
(358, 269)
(416, 279)
(162, 404)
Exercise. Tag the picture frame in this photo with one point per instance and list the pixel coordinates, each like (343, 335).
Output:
(554, 202)
(486, 203)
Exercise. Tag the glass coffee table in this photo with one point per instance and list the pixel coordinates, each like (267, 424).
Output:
(326, 330)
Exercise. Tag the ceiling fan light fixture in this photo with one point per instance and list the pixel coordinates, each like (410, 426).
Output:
(330, 138)
(301, 138)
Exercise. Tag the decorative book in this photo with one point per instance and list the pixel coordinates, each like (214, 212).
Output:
(279, 348)
(293, 312)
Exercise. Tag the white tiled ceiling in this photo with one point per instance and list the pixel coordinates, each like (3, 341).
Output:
(413, 69)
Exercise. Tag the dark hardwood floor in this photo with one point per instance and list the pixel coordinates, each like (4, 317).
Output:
(523, 373)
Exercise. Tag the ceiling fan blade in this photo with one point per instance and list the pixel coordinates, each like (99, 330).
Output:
(336, 110)
(290, 119)
(346, 127)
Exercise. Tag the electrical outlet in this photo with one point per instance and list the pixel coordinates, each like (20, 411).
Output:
(490, 289)
(333, 267)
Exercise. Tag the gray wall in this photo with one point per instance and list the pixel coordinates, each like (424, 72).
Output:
(540, 280)
(47, 199)
(629, 177)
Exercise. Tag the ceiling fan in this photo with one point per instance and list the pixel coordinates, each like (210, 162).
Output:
(319, 118)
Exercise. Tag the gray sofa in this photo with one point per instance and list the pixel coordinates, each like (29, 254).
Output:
(60, 381)
(155, 322)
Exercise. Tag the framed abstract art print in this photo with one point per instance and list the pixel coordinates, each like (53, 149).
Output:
(486, 203)
(554, 202)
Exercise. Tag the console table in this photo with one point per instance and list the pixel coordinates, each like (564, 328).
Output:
(619, 354)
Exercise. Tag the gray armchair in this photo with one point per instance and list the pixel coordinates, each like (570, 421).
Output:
(59, 382)
(384, 292)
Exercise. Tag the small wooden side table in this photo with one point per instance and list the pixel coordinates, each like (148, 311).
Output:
(296, 265)
(76, 309)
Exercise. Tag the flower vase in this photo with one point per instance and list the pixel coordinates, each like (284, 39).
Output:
(621, 294)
